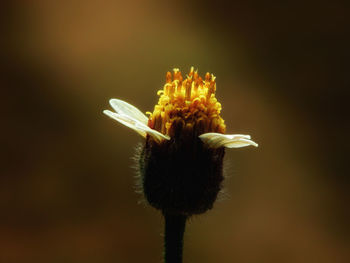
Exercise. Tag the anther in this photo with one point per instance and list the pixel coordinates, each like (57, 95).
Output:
(207, 77)
(177, 73)
(168, 77)
(200, 81)
(195, 76)
(188, 89)
(191, 72)
(172, 89)
(167, 88)
(211, 89)
(194, 86)
(179, 86)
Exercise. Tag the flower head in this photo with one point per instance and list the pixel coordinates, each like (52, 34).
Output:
(181, 160)
(187, 105)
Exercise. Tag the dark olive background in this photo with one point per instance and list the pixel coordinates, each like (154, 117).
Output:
(67, 189)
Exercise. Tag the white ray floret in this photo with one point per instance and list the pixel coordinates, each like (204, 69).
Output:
(133, 118)
(155, 134)
(125, 120)
(127, 109)
(216, 140)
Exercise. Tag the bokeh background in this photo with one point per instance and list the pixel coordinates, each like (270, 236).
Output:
(67, 191)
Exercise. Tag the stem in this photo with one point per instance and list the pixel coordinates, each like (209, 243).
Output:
(173, 238)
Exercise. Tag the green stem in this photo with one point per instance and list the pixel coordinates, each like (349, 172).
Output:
(173, 237)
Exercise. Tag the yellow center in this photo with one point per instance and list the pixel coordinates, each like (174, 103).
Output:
(188, 105)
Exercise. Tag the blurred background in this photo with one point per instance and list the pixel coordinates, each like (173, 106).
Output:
(67, 186)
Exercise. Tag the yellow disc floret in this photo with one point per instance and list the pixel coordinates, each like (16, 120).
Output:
(187, 105)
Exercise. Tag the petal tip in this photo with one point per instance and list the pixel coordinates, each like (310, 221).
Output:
(108, 113)
(113, 100)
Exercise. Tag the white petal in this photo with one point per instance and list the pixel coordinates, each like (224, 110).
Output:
(155, 134)
(123, 119)
(240, 143)
(216, 140)
(136, 125)
(125, 108)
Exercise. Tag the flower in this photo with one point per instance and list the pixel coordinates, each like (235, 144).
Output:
(181, 160)
(189, 104)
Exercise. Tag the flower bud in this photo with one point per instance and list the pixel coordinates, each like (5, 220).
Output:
(182, 175)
